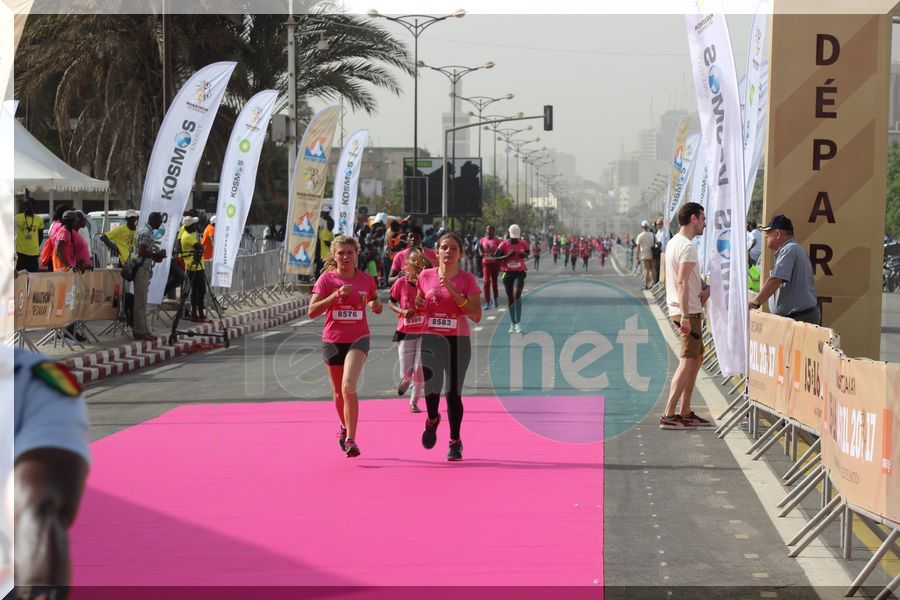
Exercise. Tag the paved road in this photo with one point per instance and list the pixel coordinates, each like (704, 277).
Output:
(679, 511)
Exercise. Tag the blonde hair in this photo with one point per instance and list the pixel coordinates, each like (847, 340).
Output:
(416, 263)
(341, 240)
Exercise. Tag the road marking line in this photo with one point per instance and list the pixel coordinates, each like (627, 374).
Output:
(163, 369)
(93, 391)
(479, 328)
(301, 323)
(491, 318)
(221, 350)
(266, 334)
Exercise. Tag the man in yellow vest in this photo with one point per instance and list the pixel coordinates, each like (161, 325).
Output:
(120, 240)
(192, 252)
(29, 235)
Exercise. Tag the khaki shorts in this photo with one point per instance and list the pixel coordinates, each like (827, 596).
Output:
(691, 346)
(648, 264)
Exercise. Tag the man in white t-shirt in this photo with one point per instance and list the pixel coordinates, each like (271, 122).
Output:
(685, 296)
(644, 243)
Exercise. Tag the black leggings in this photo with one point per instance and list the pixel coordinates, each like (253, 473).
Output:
(514, 282)
(449, 354)
(198, 292)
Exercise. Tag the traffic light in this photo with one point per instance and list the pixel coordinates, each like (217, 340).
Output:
(548, 117)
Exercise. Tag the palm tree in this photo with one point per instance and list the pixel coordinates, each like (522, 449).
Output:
(97, 79)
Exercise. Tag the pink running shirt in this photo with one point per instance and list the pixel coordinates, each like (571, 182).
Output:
(515, 262)
(405, 294)
(345, 320)
(399, 262)
(442, 315)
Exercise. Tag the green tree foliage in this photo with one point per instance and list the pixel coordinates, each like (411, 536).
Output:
(892, 202)
(392, 203)
(103, 73)
(756, 201)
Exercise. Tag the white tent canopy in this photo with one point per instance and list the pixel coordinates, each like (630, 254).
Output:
(36, 168)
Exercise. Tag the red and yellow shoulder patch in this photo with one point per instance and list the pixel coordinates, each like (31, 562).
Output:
(57, 377)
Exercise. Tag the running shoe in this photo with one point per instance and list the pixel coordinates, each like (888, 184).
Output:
(676, 422)
(454, 453)
(404, 385)
(352, 449)
(414, 406)
(512, 328)
(429, 436)
(693, 419)
(487, 305)
(342, 437)
(496, 302)
(518, 328)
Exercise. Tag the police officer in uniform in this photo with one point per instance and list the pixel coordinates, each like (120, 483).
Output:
(51, 464)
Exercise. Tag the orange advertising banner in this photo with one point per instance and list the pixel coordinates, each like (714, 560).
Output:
(806, 400)
(890, 451)
(98, 295)
(50, 300)
(854, 429)
(771, 337)
(20, 299)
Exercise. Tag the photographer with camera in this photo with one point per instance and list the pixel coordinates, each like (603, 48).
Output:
(148, 252)
(192, 252)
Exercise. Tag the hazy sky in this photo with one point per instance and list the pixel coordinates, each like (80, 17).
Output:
(603, 74)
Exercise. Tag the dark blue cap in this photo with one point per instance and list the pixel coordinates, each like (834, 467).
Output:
(779, 222)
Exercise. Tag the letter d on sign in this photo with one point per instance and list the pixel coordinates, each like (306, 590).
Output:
(835, 47)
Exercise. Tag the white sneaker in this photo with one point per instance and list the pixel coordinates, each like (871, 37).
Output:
(414, 406)
(518, 328)
(512, 328)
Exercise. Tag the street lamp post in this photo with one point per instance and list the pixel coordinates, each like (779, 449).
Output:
(416, 24)
(488, 128)
(504, 135)
(529, 157)
(481, 103)
(454, 73)
(292, 86)
(518, 145)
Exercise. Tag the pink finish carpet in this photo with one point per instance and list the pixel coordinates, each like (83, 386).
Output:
(260, 494)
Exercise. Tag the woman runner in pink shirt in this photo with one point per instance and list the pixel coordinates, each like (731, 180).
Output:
(342, 293)
(513, 253)
(410, 326)
(449, 297)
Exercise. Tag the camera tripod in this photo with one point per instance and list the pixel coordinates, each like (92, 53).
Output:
(186, 285)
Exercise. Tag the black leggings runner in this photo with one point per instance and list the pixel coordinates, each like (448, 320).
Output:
(514, 282)
(451, 355)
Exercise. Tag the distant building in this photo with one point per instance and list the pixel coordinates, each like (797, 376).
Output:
(381, 166)
(894, 104)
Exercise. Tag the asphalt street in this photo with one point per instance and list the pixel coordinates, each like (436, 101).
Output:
(679, 510)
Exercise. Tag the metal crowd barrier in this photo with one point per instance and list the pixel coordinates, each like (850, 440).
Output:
(256, 280)
(48, 304)
(808, 473)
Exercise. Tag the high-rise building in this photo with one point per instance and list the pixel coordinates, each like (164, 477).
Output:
(462, 118)
(668, 126)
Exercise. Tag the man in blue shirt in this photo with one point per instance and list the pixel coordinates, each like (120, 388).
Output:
(790, 287)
